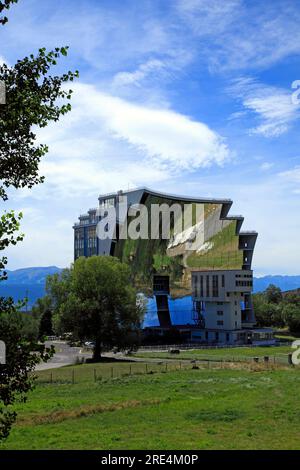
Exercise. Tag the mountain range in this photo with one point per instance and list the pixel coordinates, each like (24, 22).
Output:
(30, 282)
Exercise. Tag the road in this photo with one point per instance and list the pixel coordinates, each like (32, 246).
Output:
(64, 355)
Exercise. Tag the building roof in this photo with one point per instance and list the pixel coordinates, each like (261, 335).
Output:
(168, 196)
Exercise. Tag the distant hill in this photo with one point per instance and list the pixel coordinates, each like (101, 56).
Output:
(284, 282)
(30, 282)
(26, 282)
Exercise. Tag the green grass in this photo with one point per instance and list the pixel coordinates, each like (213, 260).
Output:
(187, 409)
(279, 352)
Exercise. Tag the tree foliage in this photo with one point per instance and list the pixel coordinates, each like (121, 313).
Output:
(34, 98)
(23, 352)
(5, 5)
(274, 308)
(96, 302)
(273, 294)
(42, 313)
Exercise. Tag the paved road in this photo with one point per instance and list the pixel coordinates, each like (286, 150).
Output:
(64, 355)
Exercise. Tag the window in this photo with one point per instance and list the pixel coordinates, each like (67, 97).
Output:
(235, 312)
(207, 286)
(217, 336)
(223, 280)
(206, 335)
(220, 313)
(219, 303)
(215, 286)
(220, 322)
(227, 337)
(195, 286)
(105, 203)
(236, 324)
(201, 286)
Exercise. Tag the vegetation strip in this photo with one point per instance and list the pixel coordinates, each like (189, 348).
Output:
(85, 411)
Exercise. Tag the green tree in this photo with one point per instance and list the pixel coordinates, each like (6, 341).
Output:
(291, 314)
(31, 102)
(42, 313)
(273, 294)
(267, 313)
(5, 5)
(100, 304)
(23, 352)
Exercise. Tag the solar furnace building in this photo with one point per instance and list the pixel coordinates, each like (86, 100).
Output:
(198, 279)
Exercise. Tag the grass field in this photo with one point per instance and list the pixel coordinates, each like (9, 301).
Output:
(178, 409)
(279, 352)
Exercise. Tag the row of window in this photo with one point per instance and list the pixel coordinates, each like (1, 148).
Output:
(209, 285)
(106, 203)
(244, 283)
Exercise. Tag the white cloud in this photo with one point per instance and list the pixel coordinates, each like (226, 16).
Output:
(266, 166)
(272, 105)
(149, 68)
(292, 176)
(237, 34)
(164, 136)
(106, 139)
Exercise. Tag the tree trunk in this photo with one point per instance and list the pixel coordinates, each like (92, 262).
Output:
(97, 350)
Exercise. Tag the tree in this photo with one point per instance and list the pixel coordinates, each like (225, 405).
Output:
(5, 5)
(273, 294)
(267, 313)
(291, 314)
(31, 100)
(23, 352)
(42, 312)
(101, 305)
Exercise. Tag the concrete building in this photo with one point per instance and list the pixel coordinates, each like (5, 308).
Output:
(198, 280)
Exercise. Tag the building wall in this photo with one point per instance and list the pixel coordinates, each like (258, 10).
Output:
(223, 250)
(221, 297)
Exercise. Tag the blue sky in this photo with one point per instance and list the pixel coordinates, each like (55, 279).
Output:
(186, 96)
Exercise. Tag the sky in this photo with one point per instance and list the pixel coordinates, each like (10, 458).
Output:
(193, 97)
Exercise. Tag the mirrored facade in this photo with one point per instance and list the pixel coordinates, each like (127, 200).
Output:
(162, 267)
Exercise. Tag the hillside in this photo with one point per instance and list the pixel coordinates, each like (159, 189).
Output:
(284, 282)
(26, 282)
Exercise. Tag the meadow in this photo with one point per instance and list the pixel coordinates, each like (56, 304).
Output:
(237, 406)
(277, 354)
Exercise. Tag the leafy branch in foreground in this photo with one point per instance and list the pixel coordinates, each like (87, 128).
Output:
(31, 100)
(23, 353)
(5, 5)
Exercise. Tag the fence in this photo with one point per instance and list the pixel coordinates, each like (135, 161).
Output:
(109, 371)
(184, 346)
